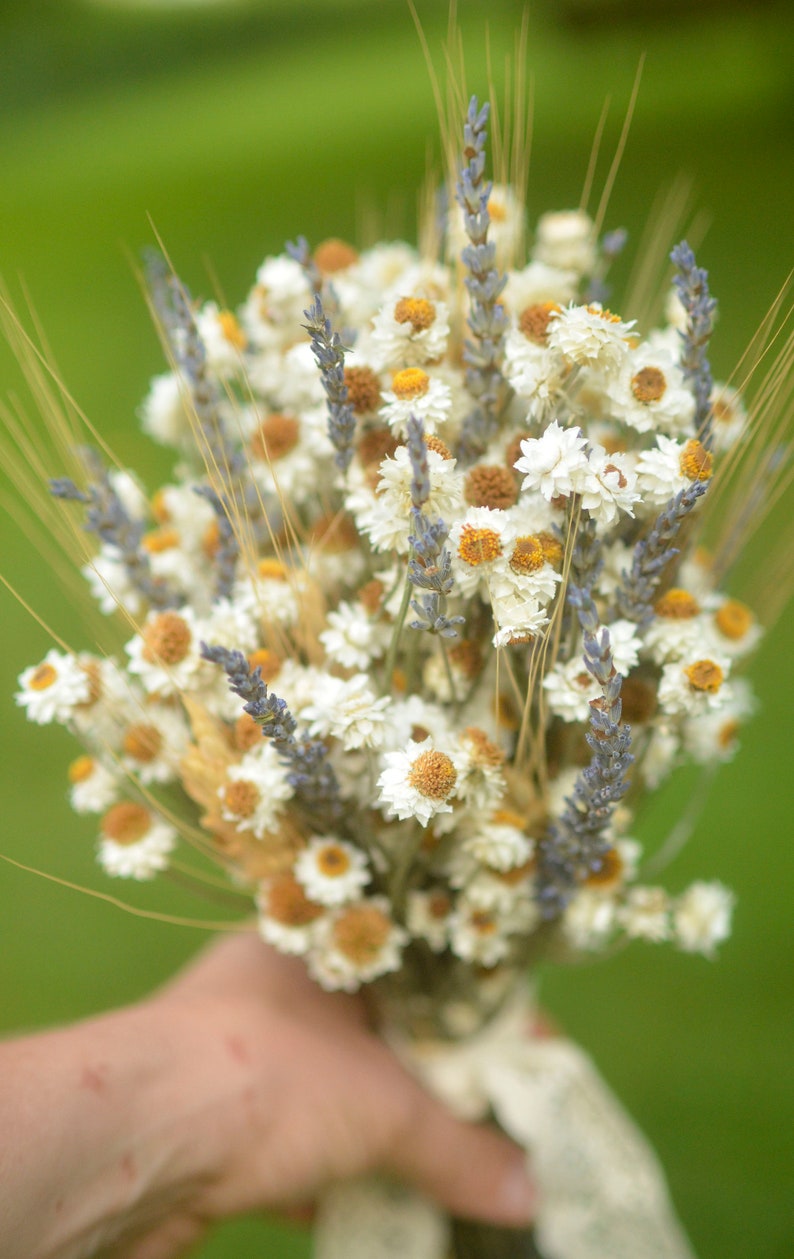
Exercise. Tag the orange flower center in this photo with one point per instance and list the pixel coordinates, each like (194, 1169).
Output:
(648, 385)
(231, 330)
(270, 569)
(433, 775)
(43, 677)
(527, 555)
(246, 733)
(467, 658)
(159, 540)
(416, 311)
(334, 255)
(276, 436)
(478, 546)
(677, 605)
(241, 798)
(609, 872)
(491, 486)
(143, 743)
(734, 619)
(126, 823)
(267, 661)
(534, 321)
(333, 861)
(696, 462)
(361, 932)
(483, 751)
(285, 900)
(363, 389)
(166, 639)
(705, 675)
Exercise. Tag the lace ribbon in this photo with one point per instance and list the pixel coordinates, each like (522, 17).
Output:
(602, 1193)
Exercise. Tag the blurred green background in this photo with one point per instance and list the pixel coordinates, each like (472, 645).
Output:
(233, 127)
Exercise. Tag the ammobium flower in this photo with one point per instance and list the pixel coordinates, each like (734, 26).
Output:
(134, 843)
(359, 942)
(52, 690)
(417, 782)
(331, 871)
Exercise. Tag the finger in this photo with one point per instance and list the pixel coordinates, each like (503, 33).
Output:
(472, 1170)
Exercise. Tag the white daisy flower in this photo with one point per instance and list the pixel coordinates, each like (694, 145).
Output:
(691, 686)
(110, 584)
(414, 393)
(385, 516)
(165, 655)
(566, 239)
(349, 710)
(152, 745)
(255, 791)
(353, 639)
(537, 284)
(670, 467)
(556, 463)
(702, 917)
(360, 942)
(625, 645)
(93, 787)
(609, 487)
(589, 919)
(651, 394)
(677, 629)
(409, 330)
(728, 416)
(52, 690)
(731, 627)
(165, 412)
(134, 843)
(499, 843)
(591, 337)
(645, 914)
(477, 542)
(223, 339)
(569, 689)
(478, 935)
(288, 919)
(427, 917)
(417, 782)
(331, 871)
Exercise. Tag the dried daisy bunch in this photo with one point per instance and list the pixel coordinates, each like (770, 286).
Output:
(424, 612)
(422, 617)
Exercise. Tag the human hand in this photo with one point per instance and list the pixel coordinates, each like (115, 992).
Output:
(240, 1086)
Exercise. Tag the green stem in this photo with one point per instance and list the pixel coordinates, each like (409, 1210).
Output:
(391, 655)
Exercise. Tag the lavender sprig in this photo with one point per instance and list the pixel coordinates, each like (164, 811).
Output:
(576, 844)
(692, 285)
(228, 547)
(309, 772)
(172, 303)
(430, 565)
(329, 354)
(635, 598)
(108, 518)
(487, 319)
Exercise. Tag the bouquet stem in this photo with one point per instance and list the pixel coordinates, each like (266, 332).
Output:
(471, 1240)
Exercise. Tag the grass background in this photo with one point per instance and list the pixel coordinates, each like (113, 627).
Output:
(237, 127)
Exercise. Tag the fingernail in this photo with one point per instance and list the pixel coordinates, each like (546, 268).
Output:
(517, 1196)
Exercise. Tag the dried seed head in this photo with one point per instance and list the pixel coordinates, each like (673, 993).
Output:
(285, 901)
(166, 639)
(334, 255)
(142, 742)
(363, 389)
(126, 822)
(241, 797)
(534, 321)
(648, 385)
(360, 932)
(276, 436)
(376, 445)
(491, 486)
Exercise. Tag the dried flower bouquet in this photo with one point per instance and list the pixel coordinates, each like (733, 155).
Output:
(420, 619)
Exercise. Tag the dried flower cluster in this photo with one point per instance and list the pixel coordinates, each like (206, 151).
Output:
(421, 616)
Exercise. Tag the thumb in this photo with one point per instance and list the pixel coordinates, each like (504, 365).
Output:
(472, 1170)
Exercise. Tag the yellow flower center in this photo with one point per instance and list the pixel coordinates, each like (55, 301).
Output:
(159, 540)
(478, 546)
(270, 569)
(527, 555)
(435, 443)
(360, 933)
(696, 462)
(333, 861)
(246, 734)
(166, 639)
(676, 605)
(704, 676)
(506, 817)
(438, 906)
(267, 661)
(433, 775)
(231, 330)
(609, 872)
(142, 743)
(734, 619)
(81, 769)
(410, 383)
(43, 677)
(126, 823)
(483, 751)
(417, 311)
(483, 923)
(648, 385)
